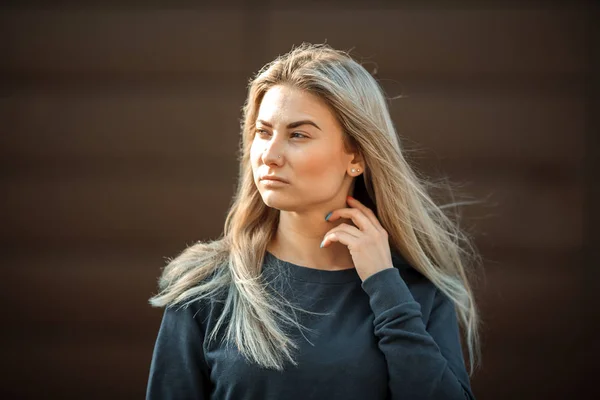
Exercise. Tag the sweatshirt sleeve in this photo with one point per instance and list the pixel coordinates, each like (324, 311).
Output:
(423, 362)
(178, 369)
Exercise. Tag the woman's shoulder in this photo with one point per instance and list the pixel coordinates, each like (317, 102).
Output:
(200, 310)
(198, 294)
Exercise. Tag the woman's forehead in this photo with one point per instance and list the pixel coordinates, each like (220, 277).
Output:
(283, 105)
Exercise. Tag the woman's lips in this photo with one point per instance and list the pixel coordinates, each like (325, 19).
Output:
(272, 182)
(273, 178)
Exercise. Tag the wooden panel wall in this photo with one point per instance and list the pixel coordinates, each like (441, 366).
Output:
(119, 131)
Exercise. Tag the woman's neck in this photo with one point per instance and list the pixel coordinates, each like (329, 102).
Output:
(299, 236)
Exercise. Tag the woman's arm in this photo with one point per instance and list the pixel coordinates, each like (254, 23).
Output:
(178, 369)
(423, 362)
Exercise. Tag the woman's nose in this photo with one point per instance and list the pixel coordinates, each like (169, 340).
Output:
(272, 153)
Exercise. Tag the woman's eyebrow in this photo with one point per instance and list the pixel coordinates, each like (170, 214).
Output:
(292, 124)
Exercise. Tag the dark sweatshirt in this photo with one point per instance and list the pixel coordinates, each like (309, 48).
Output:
(394, 336)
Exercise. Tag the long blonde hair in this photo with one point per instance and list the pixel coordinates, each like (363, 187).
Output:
(418, 228)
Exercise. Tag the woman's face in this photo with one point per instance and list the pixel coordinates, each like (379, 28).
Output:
(298, 139)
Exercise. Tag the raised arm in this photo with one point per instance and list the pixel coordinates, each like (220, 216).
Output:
(178, 369)
(423, 362)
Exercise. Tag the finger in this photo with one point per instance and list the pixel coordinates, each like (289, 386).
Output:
(352, 230)
(366, 210)
(357, 216)
(341, 237)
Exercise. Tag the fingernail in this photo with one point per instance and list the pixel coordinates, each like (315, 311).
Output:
(328, 215)
(349, 198)
(321, 246)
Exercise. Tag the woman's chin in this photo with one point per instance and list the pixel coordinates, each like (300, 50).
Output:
(278, 201)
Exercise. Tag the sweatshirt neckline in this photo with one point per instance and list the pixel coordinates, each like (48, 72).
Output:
(307, 274)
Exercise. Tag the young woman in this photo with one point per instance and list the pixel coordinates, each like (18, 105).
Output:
(311, 293)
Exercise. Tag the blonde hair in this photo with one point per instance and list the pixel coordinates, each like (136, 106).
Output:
(417, 227)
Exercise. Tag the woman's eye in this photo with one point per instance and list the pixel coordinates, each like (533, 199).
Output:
(263, 132)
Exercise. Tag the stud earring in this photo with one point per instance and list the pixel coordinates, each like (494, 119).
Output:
(355, 170)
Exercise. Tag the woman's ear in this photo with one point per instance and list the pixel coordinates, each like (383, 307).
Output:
(357, 165)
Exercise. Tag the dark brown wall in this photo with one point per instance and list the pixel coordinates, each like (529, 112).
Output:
(119, 131)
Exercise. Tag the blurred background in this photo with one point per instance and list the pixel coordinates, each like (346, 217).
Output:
(119, 130)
